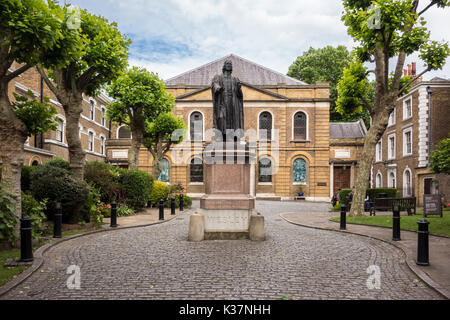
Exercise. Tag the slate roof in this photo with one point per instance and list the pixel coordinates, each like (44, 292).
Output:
(247, 71)
(347, 130)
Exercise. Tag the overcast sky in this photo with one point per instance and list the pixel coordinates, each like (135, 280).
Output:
(173, 36)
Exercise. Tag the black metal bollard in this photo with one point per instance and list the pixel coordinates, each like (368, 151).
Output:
(161, 209)
(343, 217)
(181, 202)
(26, 246)
(396, 223)
(113, 215)
(422, 243)
(57, 221)
(172, 206)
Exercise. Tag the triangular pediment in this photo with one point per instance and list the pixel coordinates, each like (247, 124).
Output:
(250, 93)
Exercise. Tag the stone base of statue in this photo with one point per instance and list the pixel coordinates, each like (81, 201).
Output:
(227, 208)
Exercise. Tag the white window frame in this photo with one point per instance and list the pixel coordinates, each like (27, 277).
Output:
(379, 151)
(391, 153)
(273, 125)
(203, 125)
(93, 140)
(103, 120)
(62, 122)
(380, 185)
(392, 116)
(92, 106)
(406, 192)
(407, 116)
(102, 144)
(390, 184)
(406, 130)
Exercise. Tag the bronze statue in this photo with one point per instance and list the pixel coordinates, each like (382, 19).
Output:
(227, 101)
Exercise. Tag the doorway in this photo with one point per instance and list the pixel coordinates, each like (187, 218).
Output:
(341, 178)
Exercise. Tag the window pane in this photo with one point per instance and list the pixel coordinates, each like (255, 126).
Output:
(265, 170)
(124, 133)
(196, 170)
(265, 126)
(300, 126)
(164, 175)
(196, 124)
(299, 170)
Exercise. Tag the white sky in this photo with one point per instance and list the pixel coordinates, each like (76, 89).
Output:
(173, 36)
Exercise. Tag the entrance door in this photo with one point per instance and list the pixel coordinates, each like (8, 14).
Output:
(341, 178)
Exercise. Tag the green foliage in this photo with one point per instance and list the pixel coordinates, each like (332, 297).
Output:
(124, 210)
(37, 117)
(137, 186)
(59, 163)
(343, 196)
(93, 197)
(440, 157)
(160, 191)
(59, 185)
(36, 211)
(105, 177)
(25, 179)
(375, 192)
(166, 128)
(187, 201)
(8, 218)
(434, 54)
(139, 95)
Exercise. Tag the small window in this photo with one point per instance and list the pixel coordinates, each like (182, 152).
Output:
(407, 183)
(407, 108)
(391, 146)
(102, 145)
(91, 141)
(299, 171)
(391, 118)
(196, 126)
(265, 170)
(265, 126)
(300, 126)
(124, 133)
(165, 171)
(91, 109)
(103, 117)
(378, 152)
(407, 142)
(60, 131)
(196, 170)
(392, 180)
(379, 181)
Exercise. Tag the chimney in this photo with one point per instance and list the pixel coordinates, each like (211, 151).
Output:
(409, 70)
(405, 72)
(413, 69)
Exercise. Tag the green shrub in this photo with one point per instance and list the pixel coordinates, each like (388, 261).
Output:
(136, 186)
(93, 197)
(160, 191)
(8, 218)
(59, 163)
(337, 207)
(374, 192)
(343, 196)
(124, 210)
(187, 201)
(59, 185)
(36, 211)
(25, 179)
(105, 178)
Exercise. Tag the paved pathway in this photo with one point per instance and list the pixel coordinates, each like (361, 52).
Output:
(157, 262)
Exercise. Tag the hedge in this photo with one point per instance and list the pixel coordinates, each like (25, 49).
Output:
(105, 178)
(371, 192)
(160, 191)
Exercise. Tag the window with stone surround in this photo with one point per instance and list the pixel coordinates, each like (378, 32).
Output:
(102, 145)
(265, 126)
(392, 180)
(391, 146)
(300, 126)
(407, 108)
(60, 131)
(123, 133)
(91, 109)
(196, 126)
(407, 183)
(379, 181)
(103, 116)
(392, 118)
(299, 171)
(378, 152)
(407, 141)
(196, 170)
(91, 141)
(265, 170)
(165, 172)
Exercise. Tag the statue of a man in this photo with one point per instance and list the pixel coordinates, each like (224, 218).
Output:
(227, 101)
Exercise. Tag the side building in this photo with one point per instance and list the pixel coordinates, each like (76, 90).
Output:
(419, 121)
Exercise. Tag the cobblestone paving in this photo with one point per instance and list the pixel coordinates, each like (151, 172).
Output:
(157, 262)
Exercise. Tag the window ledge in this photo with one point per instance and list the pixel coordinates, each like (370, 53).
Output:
(196, 183)
(299, 183)
(300, 141)
(265, 184)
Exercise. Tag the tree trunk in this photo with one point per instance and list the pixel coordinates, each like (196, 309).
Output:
(13, 134)
(73, 111)
(157, 158)
(370, 141)
(133, 152)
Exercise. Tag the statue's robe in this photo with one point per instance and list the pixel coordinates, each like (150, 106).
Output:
(228, 110)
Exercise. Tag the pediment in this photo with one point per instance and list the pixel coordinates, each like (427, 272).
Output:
(251, 93)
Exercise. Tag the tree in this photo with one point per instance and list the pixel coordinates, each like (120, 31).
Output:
(28, 28)
(440, 158)
(100, 54)
(384, 29)
(139, 97)
(165, 131)
(326, 64)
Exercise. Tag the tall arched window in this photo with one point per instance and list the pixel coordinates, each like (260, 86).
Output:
(196, 170)
(124, 133)
(196, 126)
(265, 126)
(165, 171)
(378, 182)
(91, 109)
(392, 182)
(299, 171)
(300, 126)
(407, 183)
(265, 170)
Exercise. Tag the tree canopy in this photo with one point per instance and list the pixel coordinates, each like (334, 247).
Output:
(440, 158)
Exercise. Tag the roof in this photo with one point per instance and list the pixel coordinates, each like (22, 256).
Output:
(247, 71)
(348, 130)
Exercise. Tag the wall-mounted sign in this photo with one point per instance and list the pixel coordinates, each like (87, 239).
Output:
(321, 184)
(342, 154)
(120, 154)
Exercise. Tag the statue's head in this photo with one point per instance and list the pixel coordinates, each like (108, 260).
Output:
(227, 66)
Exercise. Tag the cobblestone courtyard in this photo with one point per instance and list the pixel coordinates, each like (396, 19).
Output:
(157, 262)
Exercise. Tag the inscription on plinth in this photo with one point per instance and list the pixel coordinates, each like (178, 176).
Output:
(226, 220)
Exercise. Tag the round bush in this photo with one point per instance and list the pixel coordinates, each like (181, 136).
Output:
(59, 163)
(160, 191)
(105, 178)
(136, 186)
(59, 185)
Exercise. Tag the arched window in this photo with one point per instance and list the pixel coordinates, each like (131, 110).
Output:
(379, 181)
(300, 126)
(407, 183)
(265, 170)
(35, 163)
(91, 109)
(265, 126)
(196, 170)
(299, 171)
(165, 171)
(102, 145)
(196, 126)
(124, 133)
(392, 182)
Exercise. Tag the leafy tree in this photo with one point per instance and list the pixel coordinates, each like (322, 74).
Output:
(160, 135)
(139, 97)
(100, 53)
(326, 64)
(384, 29)
(28, 29)
(440, 158)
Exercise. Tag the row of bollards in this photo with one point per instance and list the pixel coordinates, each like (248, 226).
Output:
(172, 206)
(422, 239)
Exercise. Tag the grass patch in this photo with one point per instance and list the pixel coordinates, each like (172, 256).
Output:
(8, 274)
(438, 225)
